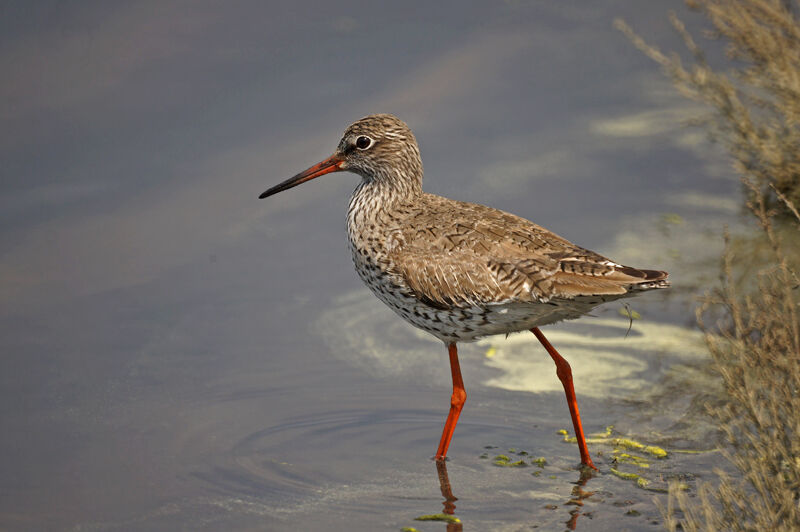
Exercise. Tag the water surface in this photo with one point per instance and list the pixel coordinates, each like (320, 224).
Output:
(180, 355)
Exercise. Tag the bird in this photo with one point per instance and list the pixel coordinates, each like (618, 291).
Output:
(462, 271)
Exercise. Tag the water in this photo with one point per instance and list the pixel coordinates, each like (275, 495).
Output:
(180, 355)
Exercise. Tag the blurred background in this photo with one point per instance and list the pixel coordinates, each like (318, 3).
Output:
(178, 354)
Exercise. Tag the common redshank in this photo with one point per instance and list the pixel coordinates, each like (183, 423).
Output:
(461, 271)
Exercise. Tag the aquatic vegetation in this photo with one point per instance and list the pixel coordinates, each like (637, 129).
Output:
(632, 459)
(438, 517)
(628, 443)
(618, 442)
(541, 462)
(621, 456)
(502, 460)
(567, 437)
(640, 480)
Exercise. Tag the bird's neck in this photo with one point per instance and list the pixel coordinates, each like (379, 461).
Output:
(384, 192)
(376, 202)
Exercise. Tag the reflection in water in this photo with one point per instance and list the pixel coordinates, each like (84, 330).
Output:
(447, 493)
(578, 495)
(574, 503)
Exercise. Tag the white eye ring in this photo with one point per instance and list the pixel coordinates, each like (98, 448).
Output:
(363, 142)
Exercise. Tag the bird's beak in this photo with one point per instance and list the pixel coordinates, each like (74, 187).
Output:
(331, 164)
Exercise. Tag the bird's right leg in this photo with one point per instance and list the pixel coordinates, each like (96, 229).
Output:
(457, 401)
(564, 373)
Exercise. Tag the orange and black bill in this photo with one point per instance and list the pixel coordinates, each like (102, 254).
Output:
(331, 164)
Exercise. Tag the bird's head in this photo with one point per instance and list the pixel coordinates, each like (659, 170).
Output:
(380, 148)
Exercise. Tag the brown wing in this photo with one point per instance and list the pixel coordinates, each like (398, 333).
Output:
(458, 278)
(489, 256)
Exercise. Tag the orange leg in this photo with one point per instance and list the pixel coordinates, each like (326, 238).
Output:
(457, 401)
(564, 373)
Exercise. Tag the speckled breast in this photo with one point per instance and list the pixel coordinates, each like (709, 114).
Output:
(446, 324)
(373, 267)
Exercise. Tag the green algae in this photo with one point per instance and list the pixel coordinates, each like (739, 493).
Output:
(541, 461)
(626, 458)
(438, 517)
(640, 481)
(502, 460)
(628, 443)
(623, 444)
(625, 476)
(567, 438)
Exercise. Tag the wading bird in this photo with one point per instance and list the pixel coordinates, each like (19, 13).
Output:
(461, 271)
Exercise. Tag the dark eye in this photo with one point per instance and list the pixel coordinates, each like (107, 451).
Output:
(362, 143)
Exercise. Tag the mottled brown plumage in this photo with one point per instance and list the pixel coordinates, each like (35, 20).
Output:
(461, 270)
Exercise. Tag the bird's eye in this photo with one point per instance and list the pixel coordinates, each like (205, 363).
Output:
(362, 143)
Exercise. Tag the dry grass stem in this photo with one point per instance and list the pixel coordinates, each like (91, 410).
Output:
(757, 104)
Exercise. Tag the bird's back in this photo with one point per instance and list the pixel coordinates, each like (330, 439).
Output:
(463, 270)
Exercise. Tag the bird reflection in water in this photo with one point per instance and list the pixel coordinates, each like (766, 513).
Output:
(575, 502)
(577, 497)
(447, 493)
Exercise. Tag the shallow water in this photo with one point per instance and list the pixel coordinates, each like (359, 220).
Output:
(180, 355)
